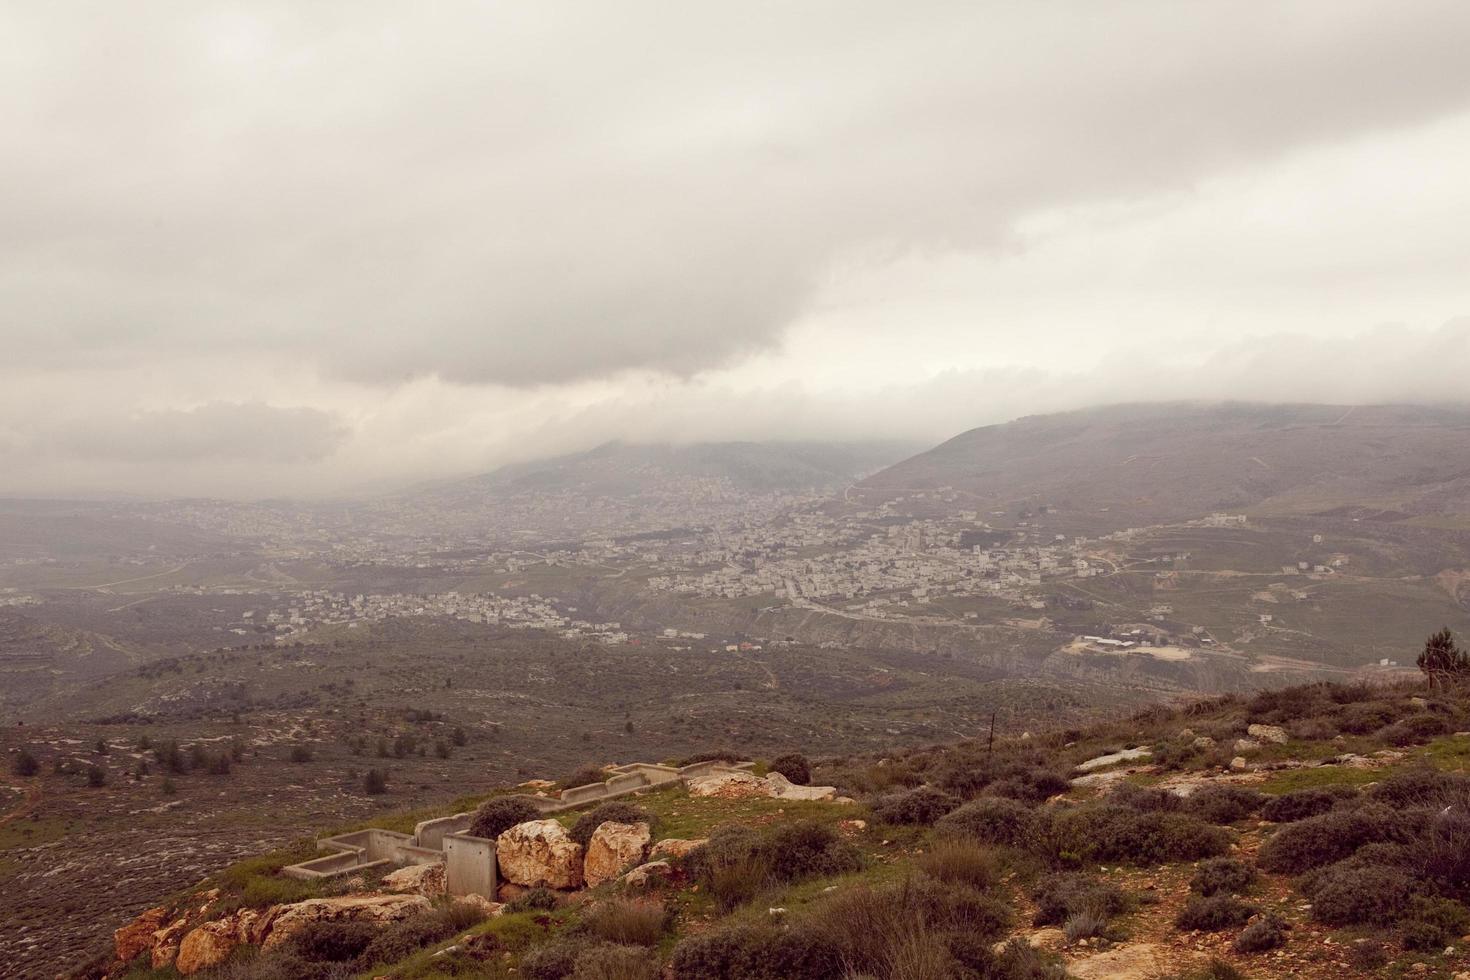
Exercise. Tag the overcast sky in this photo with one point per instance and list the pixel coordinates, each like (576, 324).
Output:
(317, 247)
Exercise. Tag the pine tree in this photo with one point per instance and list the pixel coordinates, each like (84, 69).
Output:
(1442, 659)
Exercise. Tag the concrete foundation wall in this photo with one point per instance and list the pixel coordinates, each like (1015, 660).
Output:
(469, 866)
(431, 833)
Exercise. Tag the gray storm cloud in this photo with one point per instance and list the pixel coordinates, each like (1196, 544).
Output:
(548, 192)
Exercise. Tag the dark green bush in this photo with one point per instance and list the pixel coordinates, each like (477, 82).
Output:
(1327, 838)
(1031, 786)
(1149, 799)
(1360, 719)
(794, 766)
(1222, 803)
(1058, 897)
(738, 863)
(398, 940)
(1212, 913)
(960, 860)
(26, 764)
(497, 815)
(713, 755)
(554, 960)
(627, 921)
(921, 806)
(1350, 892)
(1222, 875)
(806, 849)
(994, 820)
(1267, 931)
(1303, 803)
(617, 811)
(608, 961)
(1441, 852)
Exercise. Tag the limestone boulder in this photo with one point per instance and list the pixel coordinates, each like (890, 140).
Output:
(1131, 961)
(287, 920)
(539, 852)
(1268, 733)
(137, 935)
(730, 785)
(784, 789)
(614, 848)
(651, 875)
(420, 879)
(166, 943)
(212, 942)
(673, 847)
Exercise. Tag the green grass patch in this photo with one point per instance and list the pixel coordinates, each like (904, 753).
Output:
(1451, 753)
(1295, 779)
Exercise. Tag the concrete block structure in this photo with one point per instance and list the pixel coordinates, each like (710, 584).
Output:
(469, 861)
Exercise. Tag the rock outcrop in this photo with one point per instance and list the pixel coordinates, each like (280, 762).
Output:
(137, 935)
(1268, 733)
(539, 852)
(742, 785)
(650, 875)
(289, 919)
(210, 944)
(420, 879)
(613, 849)
(673, 847)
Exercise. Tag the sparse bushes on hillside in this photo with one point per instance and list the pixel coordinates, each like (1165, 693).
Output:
(1303, 803)
(711, 755)
(375, 782)
(1213, 913)
(397, 940)
(922, 806)
(1422, 786)
(617, 811)
(794, 766)
(26, 764)
(496, 816)
(1031, 786)
(1146, 798)
(1222, 875)
(993, 820)
(1360, 719)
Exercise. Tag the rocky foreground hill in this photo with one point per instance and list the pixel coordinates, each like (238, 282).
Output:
(1317, 831)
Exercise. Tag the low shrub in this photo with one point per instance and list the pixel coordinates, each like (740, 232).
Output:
(1303, 803)
(1422, 786)
(807, 849)
(1222, 875)
(1360, 719)
(1058, 897)
(1106, 832)
(1149, 799)
(1350, 892)
(1265, 932)
(627, 921)
(921, 806)
(756, 952)
(606, 961)
(1212, 913)
(993, 820)
(538, 899)
(617, 811)
(794, 766)
(1414, 730)
(1327, 838)
(398, 940)
(496, 816)
(1432, 923)
(331, 942)
(711, 755)
(554, 960)
(583, 775)
(958, 860)
(738, 863)
(1441, 852)
(1019, 960)
(1222, 803)
(1031, 786)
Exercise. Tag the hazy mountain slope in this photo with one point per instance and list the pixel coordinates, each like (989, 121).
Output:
(619, 469)
(1176, 461)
